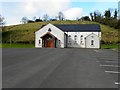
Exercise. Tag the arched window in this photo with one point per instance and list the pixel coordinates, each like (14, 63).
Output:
(75, 37)
(39, 41)
(81, 39)
(69, 36)
(59, 43)
(92, 42)
(69, 39)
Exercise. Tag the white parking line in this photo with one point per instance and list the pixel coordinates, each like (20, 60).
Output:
(117, 83)
(112, 72)
(109, 65)
(108, 58)
(109, 61)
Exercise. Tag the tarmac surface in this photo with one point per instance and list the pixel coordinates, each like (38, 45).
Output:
(59, 68)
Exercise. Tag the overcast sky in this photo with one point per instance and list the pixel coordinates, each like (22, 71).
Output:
(14, 10)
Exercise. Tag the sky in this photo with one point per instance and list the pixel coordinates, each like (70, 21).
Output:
(14, 10)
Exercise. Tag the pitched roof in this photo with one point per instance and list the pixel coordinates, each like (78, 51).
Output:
(79, 27)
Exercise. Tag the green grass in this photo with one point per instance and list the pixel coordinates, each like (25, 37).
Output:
(7, 45)
(109, 46)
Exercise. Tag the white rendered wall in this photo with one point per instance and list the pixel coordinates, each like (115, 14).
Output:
(54, 31)
(78, 38)
(95, 39)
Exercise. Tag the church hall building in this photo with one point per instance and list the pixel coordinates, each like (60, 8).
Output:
(68, 36)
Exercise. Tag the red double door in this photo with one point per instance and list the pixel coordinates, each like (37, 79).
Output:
(50, 43)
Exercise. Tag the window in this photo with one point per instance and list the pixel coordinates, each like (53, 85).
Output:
(59, 43)
(92, 36)
(92, 42)
(69, 39)
(81, 41)
(39, 41)
(75, 37)
(69, 36)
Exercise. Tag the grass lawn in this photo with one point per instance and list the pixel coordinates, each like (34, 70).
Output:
(7, 45)
(109, 46)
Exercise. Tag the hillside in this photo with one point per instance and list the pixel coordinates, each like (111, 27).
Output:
(24, 33)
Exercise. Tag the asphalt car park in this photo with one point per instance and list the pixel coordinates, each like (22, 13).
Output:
(59, 68)
(108, 60)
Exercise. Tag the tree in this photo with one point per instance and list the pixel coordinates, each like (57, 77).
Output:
(61, 16)
(38, 20)
(91, 15)
(86, 18)
(98, 16)
(24, 20)
(2, 21)
(107, 14)
(95, 15)
(115, 14)
(31, 21)
(45, 17)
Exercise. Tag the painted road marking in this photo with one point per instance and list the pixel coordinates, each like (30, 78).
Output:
(109, 65)
(117, 83)
(108, 58)
(109, 61)
(112, 72)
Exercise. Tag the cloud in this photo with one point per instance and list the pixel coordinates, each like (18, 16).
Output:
(51, 7)
(73, 13)
(33, 8)
(12, 21)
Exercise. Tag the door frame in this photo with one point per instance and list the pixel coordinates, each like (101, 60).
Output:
(44, 40)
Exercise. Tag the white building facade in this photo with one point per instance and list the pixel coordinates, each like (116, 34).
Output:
(68, 36)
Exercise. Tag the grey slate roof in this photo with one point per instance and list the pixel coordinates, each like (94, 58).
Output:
(79, 27)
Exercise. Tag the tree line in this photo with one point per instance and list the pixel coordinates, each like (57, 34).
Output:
(45, 18)
(107, 18)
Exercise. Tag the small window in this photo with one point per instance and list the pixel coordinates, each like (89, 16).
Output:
(69, 39)
(81, 35)
(92, 36)
(59, 42)
(69, 36)
(39, 41)
(92, 42)
(75, 37)
(81, 42)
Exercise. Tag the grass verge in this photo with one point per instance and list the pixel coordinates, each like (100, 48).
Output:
(7, 45)
(109, 46)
